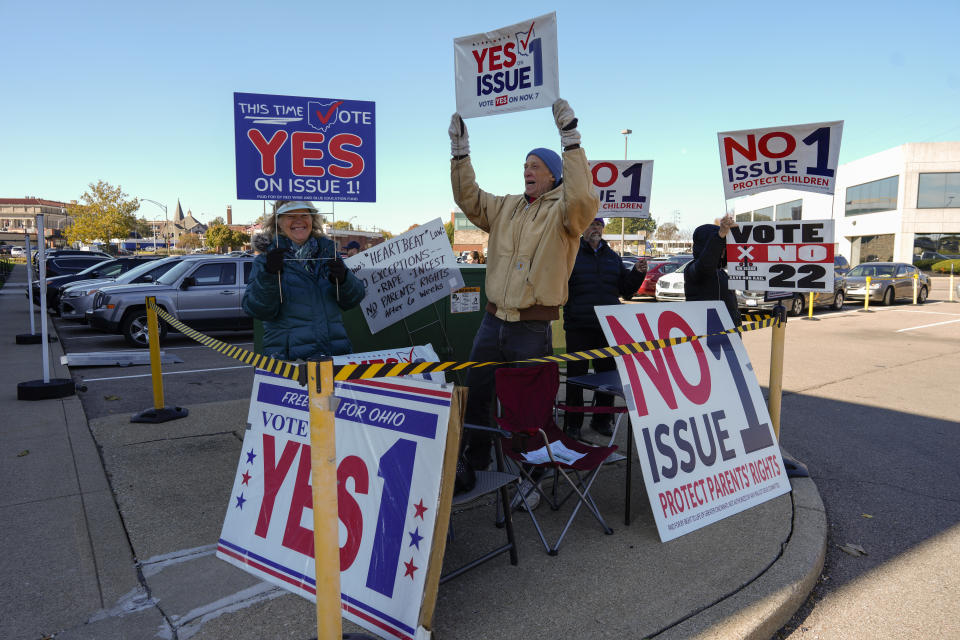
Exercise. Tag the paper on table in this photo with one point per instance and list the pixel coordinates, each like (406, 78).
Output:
(560, 453)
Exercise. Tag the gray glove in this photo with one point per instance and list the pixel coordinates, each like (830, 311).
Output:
(459, 139)
(566, 123)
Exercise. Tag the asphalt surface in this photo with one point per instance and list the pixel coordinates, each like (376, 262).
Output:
(868, 406)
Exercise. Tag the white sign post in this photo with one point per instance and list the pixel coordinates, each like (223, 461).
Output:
(391, 438)
(787, 255)
(703, 432)
(405, 274)
(623, 187)
(802, 157)
(510, 69)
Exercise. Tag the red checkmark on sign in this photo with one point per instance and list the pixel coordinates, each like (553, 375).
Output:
(324, 118)
(523, 43)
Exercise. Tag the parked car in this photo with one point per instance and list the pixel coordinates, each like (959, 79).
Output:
(107, 269)
(5, 249)
(77, 297)
(54, 253)
(840, 266)
(62, 265)
(202, 291)
(655, 269)
(670, 284)
(17, 252)
(797, 303)
(889, 281)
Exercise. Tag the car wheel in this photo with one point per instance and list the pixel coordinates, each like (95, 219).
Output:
(922, 295)
(838, 301)
(134, 329)
(888, 296)
(796, 305)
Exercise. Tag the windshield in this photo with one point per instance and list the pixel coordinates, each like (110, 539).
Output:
(93, 268)
(682, 266)
(141, 269)
(872, 270)
(170, 277)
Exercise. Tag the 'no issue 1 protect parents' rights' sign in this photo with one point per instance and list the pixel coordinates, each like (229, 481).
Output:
(296, 148)
(703, 433)
(510, 69)
(405, 274)
(802, 157)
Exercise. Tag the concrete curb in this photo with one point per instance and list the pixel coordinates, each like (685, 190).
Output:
(763, 606)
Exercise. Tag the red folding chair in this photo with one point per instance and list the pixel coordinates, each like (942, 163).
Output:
(526, 398)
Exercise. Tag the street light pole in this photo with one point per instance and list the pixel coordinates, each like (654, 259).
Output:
(623, 221)
(165, 224)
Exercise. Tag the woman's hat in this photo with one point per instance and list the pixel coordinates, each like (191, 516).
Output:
(297, 206)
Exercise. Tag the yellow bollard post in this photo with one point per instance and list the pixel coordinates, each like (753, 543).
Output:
(153, 335)
(323, 463)
(810, 309)
(866, 297)
(158, 413)
(951, 283)
(916, 277)
(775, 387)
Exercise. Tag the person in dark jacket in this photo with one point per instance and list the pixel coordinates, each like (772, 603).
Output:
(299, 286)
(599, 277)
(704, 277)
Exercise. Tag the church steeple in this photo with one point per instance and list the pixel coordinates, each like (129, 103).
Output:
(178, 214)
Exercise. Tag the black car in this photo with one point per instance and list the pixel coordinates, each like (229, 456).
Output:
(53, 253)
(100, 268)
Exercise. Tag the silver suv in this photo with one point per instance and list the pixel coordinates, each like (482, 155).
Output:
(202, 291)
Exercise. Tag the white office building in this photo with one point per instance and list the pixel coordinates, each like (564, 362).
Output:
(896, 205)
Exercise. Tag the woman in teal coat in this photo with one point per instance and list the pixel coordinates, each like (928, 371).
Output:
(299, 286)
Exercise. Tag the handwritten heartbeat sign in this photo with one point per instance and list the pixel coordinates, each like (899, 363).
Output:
(296, 148)
(510, 69)
(390, 441)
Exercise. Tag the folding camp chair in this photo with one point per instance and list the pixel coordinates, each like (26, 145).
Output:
(490, 482)
(526, 398)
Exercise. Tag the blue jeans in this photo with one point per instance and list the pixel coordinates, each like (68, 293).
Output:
(497, 341)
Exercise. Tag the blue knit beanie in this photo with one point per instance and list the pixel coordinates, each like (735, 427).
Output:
(553, 162)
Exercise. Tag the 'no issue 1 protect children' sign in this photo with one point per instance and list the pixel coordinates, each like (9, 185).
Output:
(510, 69)
(703, 433)
(295, 148)
(623, 187)
(390, 440)
(802, 157)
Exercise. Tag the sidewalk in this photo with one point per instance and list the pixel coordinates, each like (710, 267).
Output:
(110, 528)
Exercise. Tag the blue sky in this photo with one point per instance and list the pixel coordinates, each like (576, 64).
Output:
(140, 95)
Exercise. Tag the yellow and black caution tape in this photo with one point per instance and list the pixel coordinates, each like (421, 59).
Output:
(366, 371)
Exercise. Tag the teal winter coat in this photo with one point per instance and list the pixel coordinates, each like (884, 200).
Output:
(309, 321)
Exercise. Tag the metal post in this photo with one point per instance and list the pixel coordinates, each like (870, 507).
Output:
(33, 327)
(775, 386)
(866, 297)
(153, 335)
(42, 262)
(323, 462)
(916, 276)
(951, 282)
(810, 309)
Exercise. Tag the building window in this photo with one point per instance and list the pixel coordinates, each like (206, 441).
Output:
(790, 210)
(938, 191)
(462, 223)
(743, 217)
(872, 249)
(879, 195)
(764, 214)
(936, 246)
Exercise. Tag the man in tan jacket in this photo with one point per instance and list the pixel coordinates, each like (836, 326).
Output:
(534, 238)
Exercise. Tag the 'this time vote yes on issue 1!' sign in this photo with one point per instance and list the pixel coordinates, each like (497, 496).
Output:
(702, 429)
(787, 255)
(405, 274)
(390, 439)
(802, 157)
(510, 69)
(295, 148)
(623, 186)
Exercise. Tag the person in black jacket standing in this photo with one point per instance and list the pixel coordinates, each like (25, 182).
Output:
(598, 278)
(704, 278)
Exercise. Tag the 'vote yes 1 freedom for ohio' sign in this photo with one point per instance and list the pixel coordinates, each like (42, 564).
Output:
(390, 439)
(787, 255)
(295, 148)
(702, 429)
(802, 157)
(510, 69)
(623, 187)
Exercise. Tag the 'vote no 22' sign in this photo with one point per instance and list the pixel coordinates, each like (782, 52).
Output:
(389, 437)
(623, 187)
